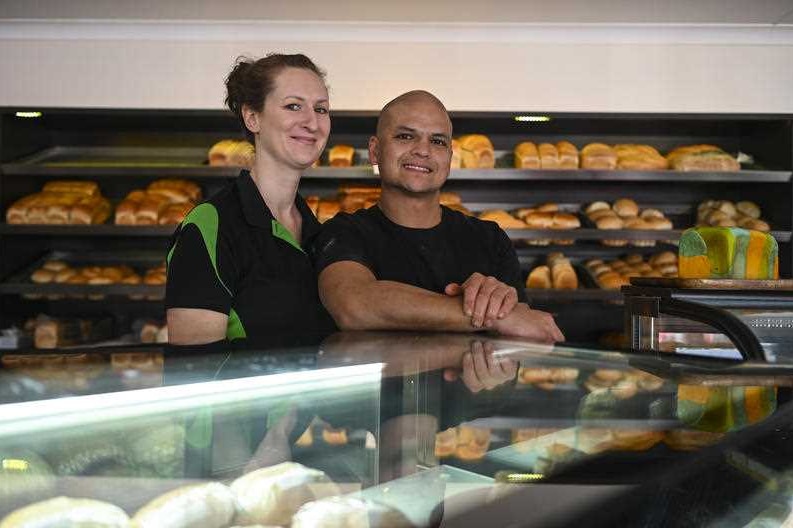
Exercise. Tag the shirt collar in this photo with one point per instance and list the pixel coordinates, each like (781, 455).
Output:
(258, 214)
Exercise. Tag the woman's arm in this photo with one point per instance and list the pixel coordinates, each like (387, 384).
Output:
(194, 326)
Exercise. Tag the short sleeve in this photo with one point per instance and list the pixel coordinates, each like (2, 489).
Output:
(339, 240)
(507, 265)
(195, 278)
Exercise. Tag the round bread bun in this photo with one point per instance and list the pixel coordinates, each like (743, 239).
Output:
(77, 279)
(523, 211)
(668, 269)
(550, 207)
(625, 389)
(651, 213)
(565, 221)
(727, 207)
(66, 511)
(653, 274)
(665, 257)
(538, 220)
(614, 243)
(601, 213)
(597, 271)
(42, 276)
(714, 215)
(707, 204)
(91, 271)
(618, 266)
(724, 222)
(112, 273)
(100, 280)
(634, 258)
(55, 265)
(131, 279)
(597, 206)
(659, 224)
(447, 198)
(609, 222)
(64, 275)
(756, 224)
(644, 267)
(610, 281)
(593, 263)
(636, 223)
(626, 207)
(748, 208)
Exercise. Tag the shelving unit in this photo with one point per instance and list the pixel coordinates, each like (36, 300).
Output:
(126, 149)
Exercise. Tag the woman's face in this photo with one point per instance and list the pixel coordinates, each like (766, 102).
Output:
(294, 125)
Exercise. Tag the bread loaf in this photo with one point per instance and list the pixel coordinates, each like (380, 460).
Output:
(598, 156)
(341, 156)
(477, 152)
(701, 158)
(549, 156)
(88, 188)
(526, 156)
(568, 155)
(563, 275)
(175, 213)
(639, 157)
(66, 511)
(539, 278)
(210, 505)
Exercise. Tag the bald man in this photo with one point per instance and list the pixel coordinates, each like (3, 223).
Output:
(409, 263)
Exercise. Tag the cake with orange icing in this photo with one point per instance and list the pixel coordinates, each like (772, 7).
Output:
(727, 253)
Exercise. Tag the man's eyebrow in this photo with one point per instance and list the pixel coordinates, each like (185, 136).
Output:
(403, 128)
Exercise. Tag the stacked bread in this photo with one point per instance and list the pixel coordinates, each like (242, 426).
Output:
(723, 213)
(464, 442)
(341, 156)
(625, 214)
(598, 156)
(557, 274)
(612, 275)
(231, 153)
(562, 155)
(61, 202)
(165, 201)
(701, 158)
(476, 152)
(59, 272)
(349, 199)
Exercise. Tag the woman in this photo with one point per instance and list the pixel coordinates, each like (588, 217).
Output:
(237, 266)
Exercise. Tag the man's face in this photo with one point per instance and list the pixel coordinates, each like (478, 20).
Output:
(413, 149)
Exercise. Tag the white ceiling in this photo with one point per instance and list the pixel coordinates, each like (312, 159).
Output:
(765, 12)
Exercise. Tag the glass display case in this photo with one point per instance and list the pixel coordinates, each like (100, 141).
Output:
(390, 430)
(750, 319)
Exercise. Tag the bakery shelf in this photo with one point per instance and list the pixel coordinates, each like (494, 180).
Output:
(74, 290)
(747, 176)
(585, 294)
(615, 234)
(102, 230)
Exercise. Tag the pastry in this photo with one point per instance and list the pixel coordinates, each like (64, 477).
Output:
(349, 512)
(66, 511)
(445, 443)
(210, 505)
(539, 278)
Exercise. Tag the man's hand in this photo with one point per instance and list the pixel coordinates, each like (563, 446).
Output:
(485, 299)
(482, 369)
(535, 325)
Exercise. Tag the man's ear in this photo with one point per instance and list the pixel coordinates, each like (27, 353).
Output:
(251, 118)
(374, 147)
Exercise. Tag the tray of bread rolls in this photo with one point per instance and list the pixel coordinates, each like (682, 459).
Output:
(58, 275)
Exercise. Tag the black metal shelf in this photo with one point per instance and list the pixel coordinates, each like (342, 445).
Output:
(587, 294)
(74, 290)
(102, 230)
(365, 172)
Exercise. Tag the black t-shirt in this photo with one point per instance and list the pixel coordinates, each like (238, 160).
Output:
(230, 255)
(431, 258)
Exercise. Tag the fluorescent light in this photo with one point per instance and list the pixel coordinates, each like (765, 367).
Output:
(532, 119)
(79, 411)
(28, 114)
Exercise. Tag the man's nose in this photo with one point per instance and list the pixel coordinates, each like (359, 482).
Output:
(422, 147)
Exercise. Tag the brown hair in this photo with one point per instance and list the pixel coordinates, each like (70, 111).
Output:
(250, 81)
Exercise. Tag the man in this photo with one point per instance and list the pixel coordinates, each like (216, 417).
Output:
(411, 264)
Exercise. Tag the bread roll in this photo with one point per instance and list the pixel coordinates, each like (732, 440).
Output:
(90, 211)
(748, 208)
(663, 258)
(165, 185)
(701, 158)
(150, 208)
(539, 278)
(42, 276)
(272, 495)
(549, 207)
(243, 154)
(477, 152)
(327, 210)
(597, 206)
(175, 213)
(86, 188)
(503, 219)
(549, 156)
(527, 156)
(626, 207)
(639, 157)
(472, 442)
(348, 512)
(563, 276)
(66, 511)
(538, 220)
(341, 156)
(568, 155)
(565, 221)
(651, 213)
(597, 156)
(210, 505)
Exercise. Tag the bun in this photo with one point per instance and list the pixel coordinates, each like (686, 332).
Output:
(538, 220)
(626, 207)
(562, 274)
(42, 276)
(539, 278)
(527, 156)
(87, 188)
(219, 152)
(549, 156)
(66, 511)
(477, 152)
(242, 155)
(748, 208)
(597, 156)
(568, 155)
(445, 443)
(327, 209)
(175, 213)
(597, 206)
(348, 512)
(274, 494)
(341, 156)
(503, 219)
(472, 442)
(210, 505)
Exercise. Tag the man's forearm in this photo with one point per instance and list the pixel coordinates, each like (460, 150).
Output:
(388, 305)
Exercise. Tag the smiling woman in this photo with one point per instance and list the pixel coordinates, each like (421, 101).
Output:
(236, 266)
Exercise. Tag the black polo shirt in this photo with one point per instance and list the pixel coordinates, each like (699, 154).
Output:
(230, 255)
(452, 251)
